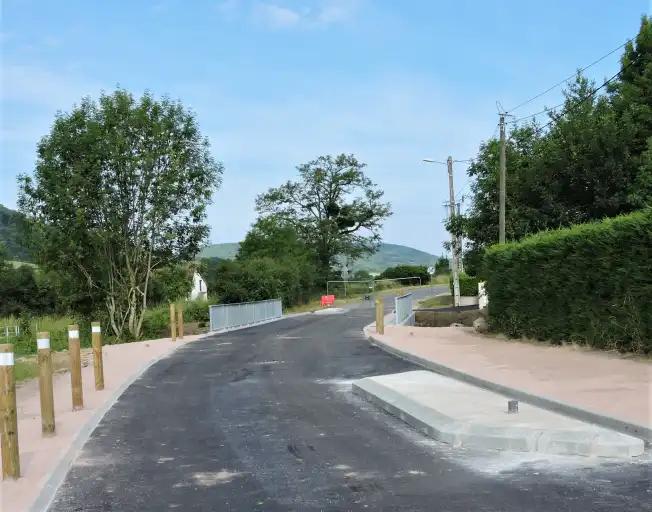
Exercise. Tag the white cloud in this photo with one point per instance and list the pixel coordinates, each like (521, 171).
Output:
(33, 85)
(275, 16)
(321, 13)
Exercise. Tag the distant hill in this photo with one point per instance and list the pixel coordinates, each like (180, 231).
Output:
(11, 235)
(389, 255)
(222, 251)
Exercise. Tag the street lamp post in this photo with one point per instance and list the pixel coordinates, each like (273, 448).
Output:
(454, 240)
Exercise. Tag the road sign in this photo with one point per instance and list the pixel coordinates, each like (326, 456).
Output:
(431, 270)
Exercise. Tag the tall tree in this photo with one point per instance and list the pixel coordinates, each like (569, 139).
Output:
(333, 207)
(120, 188)
(593, 160)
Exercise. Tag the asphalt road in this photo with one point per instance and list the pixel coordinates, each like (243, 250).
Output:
(263, 420)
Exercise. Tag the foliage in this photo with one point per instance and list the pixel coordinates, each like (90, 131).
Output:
(399, 271)
(12, 235)
(24, 290)
(274, 237)
(171, 283)
(362, 275)
(442, 265)
(593, 161)
(333, 207)
(589, 284)
(120, 188)
(468, 285)
(259, 279)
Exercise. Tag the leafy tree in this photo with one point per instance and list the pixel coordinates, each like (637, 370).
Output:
(273, 237)
(593, 160)
(362, 275)
(120, 189)
(333, 207)
(442, 265)
(403, 271)
(171, 283)
(258, 279)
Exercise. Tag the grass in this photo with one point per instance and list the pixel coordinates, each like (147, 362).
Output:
(441, 279)
(25, 369)
(434, 302)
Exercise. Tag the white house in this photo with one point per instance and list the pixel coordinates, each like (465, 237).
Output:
(199, 289)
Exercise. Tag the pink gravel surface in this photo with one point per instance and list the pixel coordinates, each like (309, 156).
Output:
(39, 455)
(601, 382)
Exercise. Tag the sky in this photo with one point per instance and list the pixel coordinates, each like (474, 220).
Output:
(276, 83)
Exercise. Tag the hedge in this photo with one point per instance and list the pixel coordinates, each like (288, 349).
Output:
(468, 285)
(588, 284)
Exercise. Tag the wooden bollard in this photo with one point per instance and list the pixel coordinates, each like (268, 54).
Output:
(173, 321)
(180, 321)
(380, 317)
(44, 356)
(74, 352)
(8, 416)
(98, 362)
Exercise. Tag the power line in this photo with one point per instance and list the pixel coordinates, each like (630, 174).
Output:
(574, 104)
(570, 77)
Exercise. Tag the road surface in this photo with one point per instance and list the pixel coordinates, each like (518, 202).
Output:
(263, 419)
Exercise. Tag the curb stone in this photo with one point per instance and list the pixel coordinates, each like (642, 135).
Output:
(624, 427)
(442, 425)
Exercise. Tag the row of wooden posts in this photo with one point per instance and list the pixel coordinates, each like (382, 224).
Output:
(8, 411)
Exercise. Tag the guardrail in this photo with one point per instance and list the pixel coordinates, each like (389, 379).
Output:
(403, 310)
(229, 316)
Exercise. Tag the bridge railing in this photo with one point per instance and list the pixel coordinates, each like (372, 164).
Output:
(403, 310)
(229, 316)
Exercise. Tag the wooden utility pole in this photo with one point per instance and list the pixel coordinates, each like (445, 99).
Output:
(454, 248)
(502, 186)
(74, 352)
(8, 414)
(98, 362)
(173, 322)
(180, 321)
(44, 356)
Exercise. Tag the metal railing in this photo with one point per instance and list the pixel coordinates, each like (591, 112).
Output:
(403, 310)
(229, 316)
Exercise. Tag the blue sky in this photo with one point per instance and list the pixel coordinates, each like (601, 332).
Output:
(275, 83)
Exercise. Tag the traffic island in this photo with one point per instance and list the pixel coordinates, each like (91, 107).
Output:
(463, 415)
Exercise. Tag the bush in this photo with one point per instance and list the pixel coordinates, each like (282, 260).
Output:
(253, 279)
(468, 285)
(590, 284)
(403, 271)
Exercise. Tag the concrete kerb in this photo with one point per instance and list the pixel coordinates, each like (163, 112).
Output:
(451, 423)
(572, 411)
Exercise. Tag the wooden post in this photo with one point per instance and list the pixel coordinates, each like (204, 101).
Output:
(98, 363)
(380, 317)
(173, 327)
(74, 353)
(8, 417)
(180, 321)
(45, 383)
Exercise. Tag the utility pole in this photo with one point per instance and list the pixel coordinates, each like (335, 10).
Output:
(454, 248)
(460, 262)
(501, 215)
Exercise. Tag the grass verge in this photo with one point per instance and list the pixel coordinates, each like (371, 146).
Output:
(434, 302)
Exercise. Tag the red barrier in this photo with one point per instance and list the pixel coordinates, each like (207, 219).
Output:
(327, 300)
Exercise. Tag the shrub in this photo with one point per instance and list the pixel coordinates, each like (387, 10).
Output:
(403, 271)
(591, 284)
(468, 285)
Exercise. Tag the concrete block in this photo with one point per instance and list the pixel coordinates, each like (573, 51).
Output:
(459, 414)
